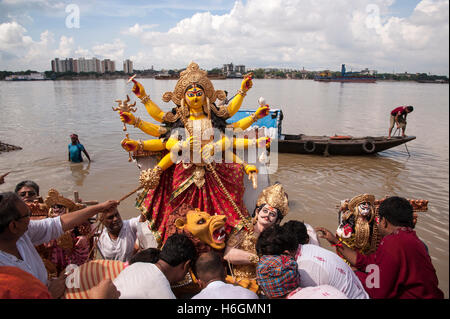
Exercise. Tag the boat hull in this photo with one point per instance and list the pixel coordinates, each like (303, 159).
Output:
(324, 145)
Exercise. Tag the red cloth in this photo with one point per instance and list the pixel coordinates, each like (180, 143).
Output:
(159, 203)
(405, 269)
(400, 109)
(16, 283)
(61, 258)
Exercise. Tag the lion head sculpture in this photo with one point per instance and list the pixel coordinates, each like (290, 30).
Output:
(204, 230)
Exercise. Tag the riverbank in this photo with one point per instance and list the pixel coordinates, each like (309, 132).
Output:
(126, 77)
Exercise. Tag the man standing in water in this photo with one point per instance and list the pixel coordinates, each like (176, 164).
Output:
(75, 149)
(398, 116)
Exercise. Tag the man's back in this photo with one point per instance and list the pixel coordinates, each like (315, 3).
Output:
(143, 281)
(400, 109)
(405, 268)
(319, 266)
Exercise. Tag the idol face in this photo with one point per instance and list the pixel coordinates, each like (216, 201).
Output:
(195, 97)
(267, 216)
(58, 210)
(364, 208)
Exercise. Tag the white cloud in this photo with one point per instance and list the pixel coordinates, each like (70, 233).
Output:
(80, 52)
(12, 37)
(270, 33)
(113, 51)
(138, 29)
(319, 34)
(18, 50)
(65, 49)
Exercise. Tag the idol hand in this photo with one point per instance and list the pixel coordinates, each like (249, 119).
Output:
(252, 172)
(262, 111)
(254, 178)
(247, 83)
(138, 89)
(129, 145)
(127, 118)
(263, 142)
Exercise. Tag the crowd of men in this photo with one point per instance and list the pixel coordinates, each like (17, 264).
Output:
(290, 262)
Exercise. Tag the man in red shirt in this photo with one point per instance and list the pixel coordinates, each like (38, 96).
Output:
(401, 267)
(398, 116)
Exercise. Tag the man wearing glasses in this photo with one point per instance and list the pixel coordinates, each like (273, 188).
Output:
(19, 235)
(28, 191)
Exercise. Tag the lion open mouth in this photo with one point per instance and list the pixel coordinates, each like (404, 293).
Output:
(219, 235)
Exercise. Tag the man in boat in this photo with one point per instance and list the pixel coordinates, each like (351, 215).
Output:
(401, 267)
(398, 116)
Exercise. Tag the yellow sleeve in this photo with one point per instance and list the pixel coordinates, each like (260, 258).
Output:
(244, 123)
(151, 129)
(153, 109)
(154, 145)
(235, 104)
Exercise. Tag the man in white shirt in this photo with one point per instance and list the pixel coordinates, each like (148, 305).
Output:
(210, 272)
(117, 240)
(19, 235)
(152, 281)
(318, 266)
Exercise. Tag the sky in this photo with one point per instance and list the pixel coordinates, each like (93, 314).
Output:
(384, 35)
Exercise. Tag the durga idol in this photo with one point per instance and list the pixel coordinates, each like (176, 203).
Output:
(195, 127)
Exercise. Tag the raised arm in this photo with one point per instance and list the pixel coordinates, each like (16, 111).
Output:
(154, 145)
(152, 109)
(237, 100)
(245, 143)
(76, 218)
(246, 122)
(348, 253)
(146, 127)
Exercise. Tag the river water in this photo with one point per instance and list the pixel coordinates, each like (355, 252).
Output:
(39, 116)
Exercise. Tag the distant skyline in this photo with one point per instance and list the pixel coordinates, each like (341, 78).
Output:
(384, 35)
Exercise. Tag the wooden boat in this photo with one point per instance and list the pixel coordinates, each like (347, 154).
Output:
(321, 145)
(338, 145)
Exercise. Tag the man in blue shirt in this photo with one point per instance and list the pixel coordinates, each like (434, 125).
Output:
(75, 149)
